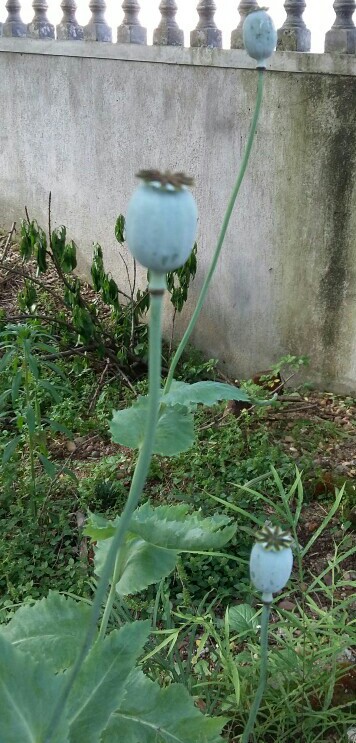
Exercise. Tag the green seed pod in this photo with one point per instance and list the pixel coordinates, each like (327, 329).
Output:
(161, 221)
(260, 36)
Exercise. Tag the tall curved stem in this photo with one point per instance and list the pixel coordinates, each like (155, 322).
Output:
(157, 287)
(225, 224)
(263, 675)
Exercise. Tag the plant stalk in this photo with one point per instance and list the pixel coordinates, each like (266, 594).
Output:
(263, 674)
(157, 287)
(111, 596)
(225, 224)
(33, 503)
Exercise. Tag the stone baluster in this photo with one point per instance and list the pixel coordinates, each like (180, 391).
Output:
(13, 25)
(294, 36)
(342, 36)
(131, 31)
(69, 28)
(206, 33)
(97, 29)
(40, 27)
(244, 8)
(168, 32)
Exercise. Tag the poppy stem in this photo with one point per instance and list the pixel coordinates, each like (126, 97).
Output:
(225, 224)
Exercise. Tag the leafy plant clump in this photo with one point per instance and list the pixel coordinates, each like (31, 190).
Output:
(105, 320)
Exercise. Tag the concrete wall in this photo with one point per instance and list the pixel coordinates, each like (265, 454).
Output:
(80, 119)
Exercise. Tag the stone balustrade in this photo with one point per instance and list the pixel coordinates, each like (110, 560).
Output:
(292, 36)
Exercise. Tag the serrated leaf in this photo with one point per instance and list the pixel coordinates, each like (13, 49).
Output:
(52, 628)
(149, 714)
(243, 619)
(175, 528)
(98, 527)
(174, 433)
(142, 564)
(205, 393)
(171, 527)
(28, 695)
(10, 449)
(100, 684)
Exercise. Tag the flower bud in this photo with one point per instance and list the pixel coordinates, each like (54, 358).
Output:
(161, 221)
(260, 36)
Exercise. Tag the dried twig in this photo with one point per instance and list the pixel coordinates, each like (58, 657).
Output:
(28, 276)
(99, 386)
(8, 242)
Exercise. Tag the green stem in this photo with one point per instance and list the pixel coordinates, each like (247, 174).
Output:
(263, 675)
(31, 446)
(222, 234)
(111, 596)
(157, 287)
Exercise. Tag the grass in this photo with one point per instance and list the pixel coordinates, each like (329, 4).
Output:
(310, 691)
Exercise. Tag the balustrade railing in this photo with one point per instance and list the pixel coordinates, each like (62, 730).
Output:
(292, 36)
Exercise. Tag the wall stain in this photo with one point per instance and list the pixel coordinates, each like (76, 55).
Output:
(339, 171)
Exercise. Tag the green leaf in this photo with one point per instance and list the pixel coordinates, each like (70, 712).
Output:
(58, 241)
(51, 389)
(16, 384)
(100, 684)
(30, 419)
(58, 427)
(97, 268)
(120, 229)
(98, 527)
(41, 346)
(174, 433)
(69, 257)
(33, 366)
(54, 367)
(27, 298)
(142, 564)
(174, 528)
(171, 527)
(52, 628)
(28, 695)
(6, 358)
(205, 393)
(48, 466)
(28, 237)
(149, 714)
(243, 619)
(40, 250)
(4, 397)
(10, 449)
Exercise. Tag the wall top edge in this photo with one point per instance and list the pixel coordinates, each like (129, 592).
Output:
(295, 62)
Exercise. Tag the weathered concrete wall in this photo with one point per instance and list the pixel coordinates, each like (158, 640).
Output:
(81, 119)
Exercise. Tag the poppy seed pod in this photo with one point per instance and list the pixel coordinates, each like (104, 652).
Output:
(161, 221)
(271, 561)
(260, 36)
